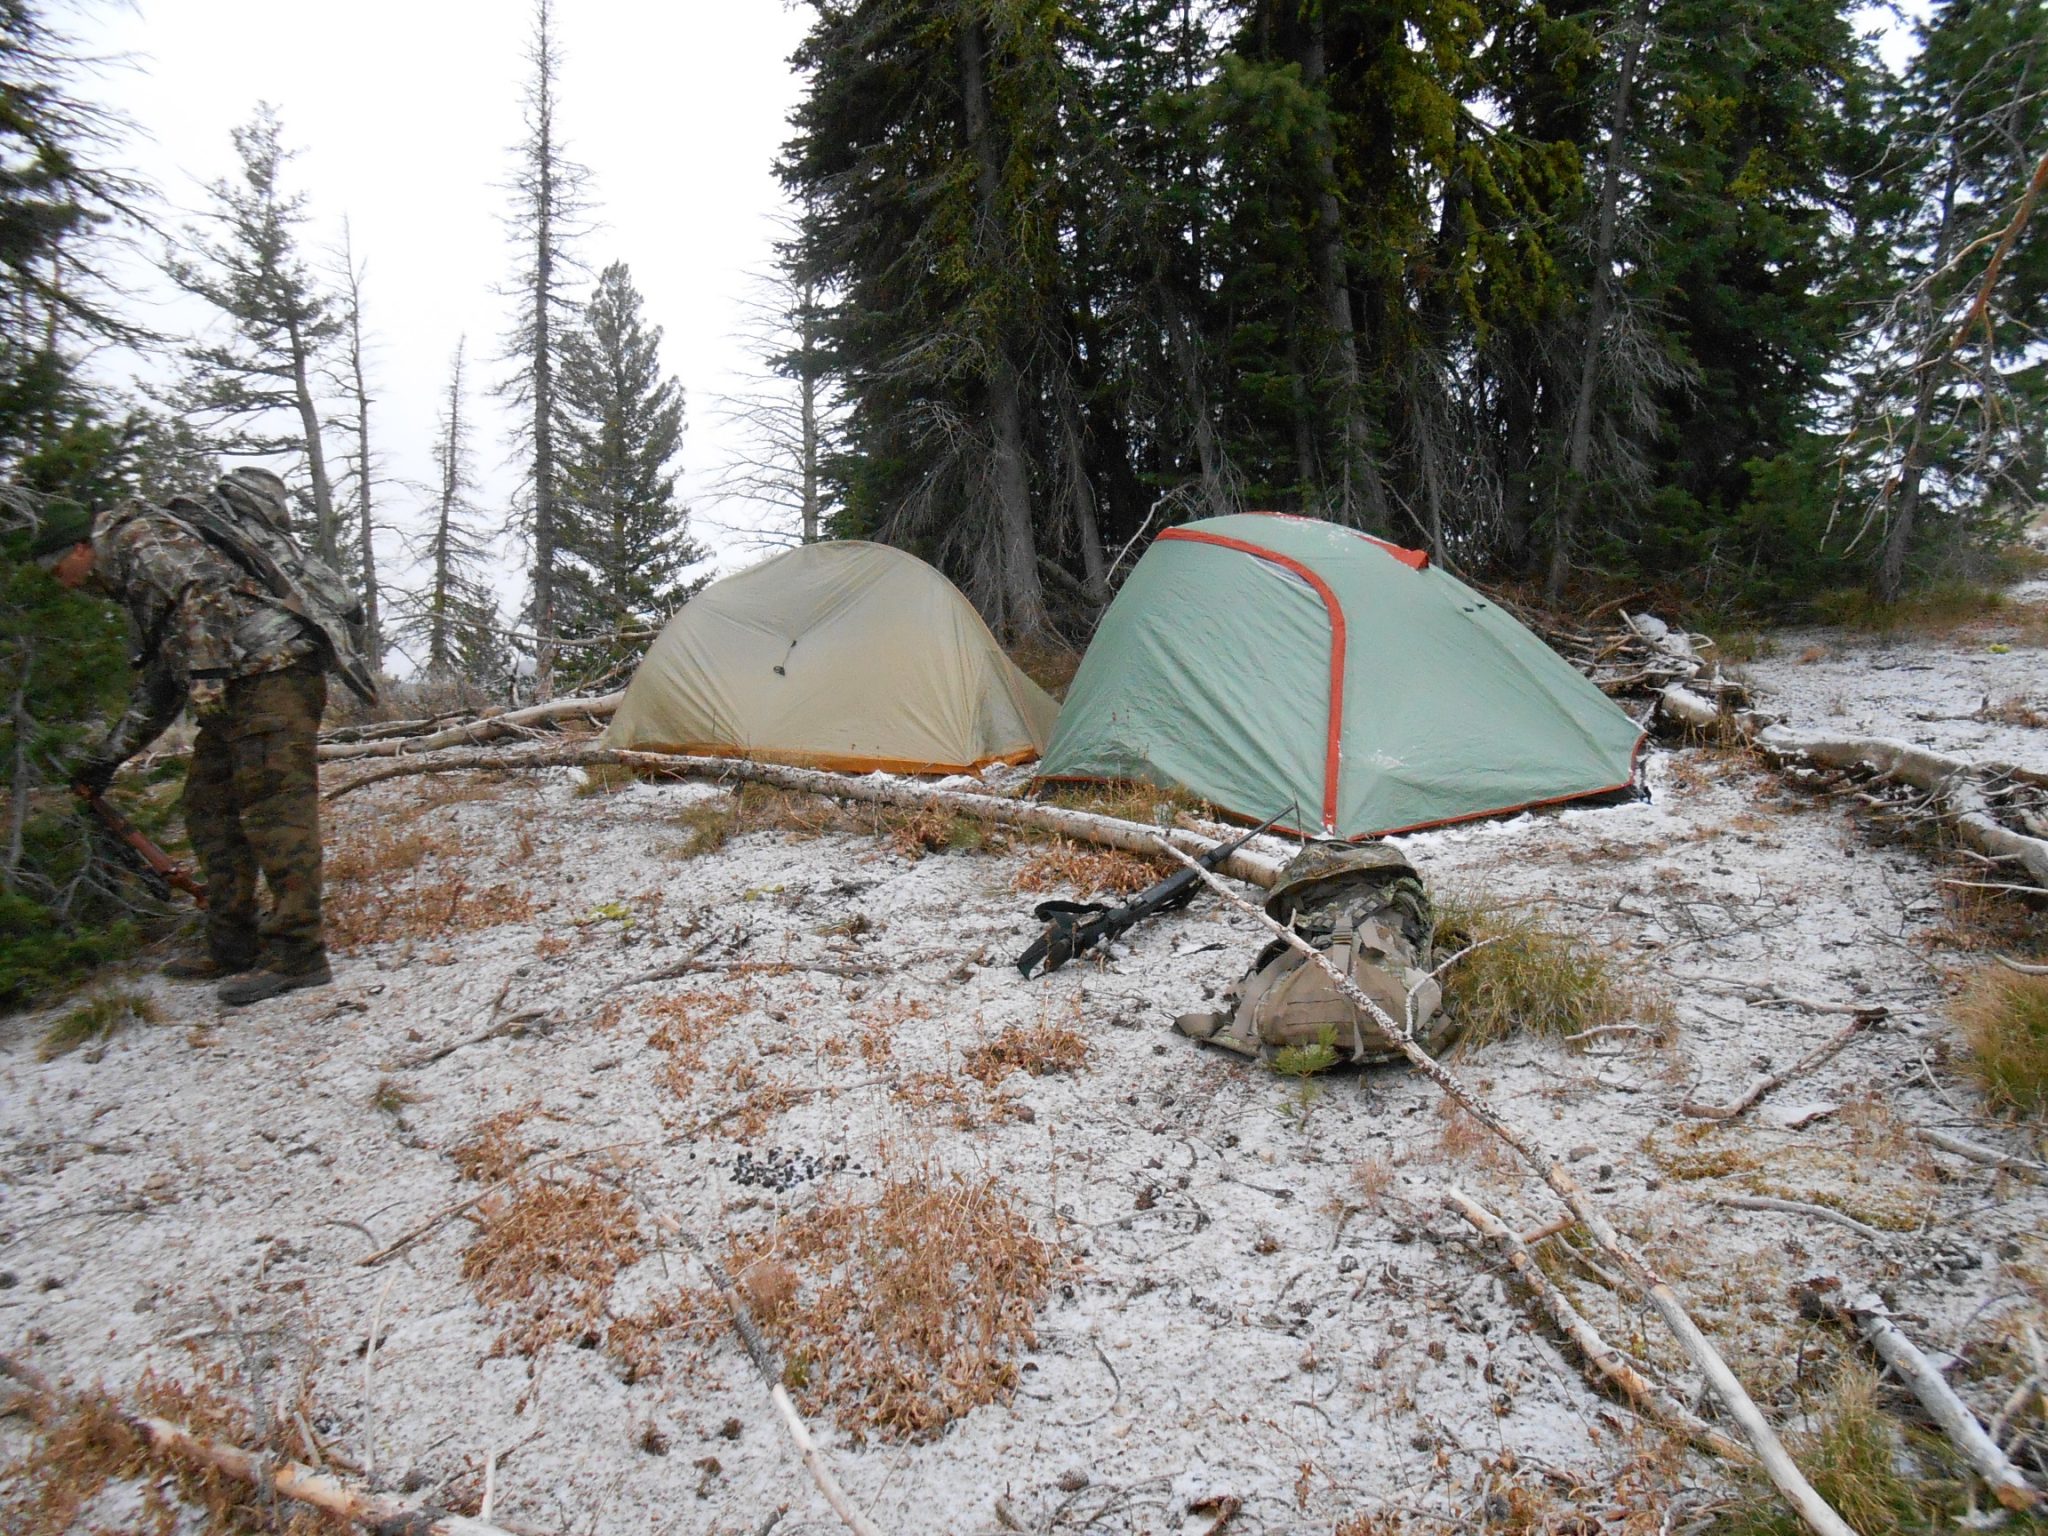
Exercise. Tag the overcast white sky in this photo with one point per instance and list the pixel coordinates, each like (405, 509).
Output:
(405, 112)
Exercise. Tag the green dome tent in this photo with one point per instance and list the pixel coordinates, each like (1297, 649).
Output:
(1265, 662)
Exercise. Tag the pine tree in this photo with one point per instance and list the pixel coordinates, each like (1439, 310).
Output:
(624, 541)
(1944, 450)
(362, 465)
(549, 201)
(932, 159)
(451, 619)
(788, 424)
(281, 321)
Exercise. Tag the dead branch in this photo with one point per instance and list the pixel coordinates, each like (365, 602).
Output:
(1779, 1466)
(511, 723)
(1801, 1208)
(1867, 1312)
(2021, 966)
(300, 1483)
(875, 789)
(763, 1356)
(1976, 1154)
(447, 1212)
(1765, 1084)
(1646, 1398)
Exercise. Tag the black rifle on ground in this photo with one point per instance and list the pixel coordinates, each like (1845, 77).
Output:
(131, 846)
(1075, 927)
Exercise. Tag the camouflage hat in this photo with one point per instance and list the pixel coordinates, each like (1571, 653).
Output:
(1320, 867)
(64, 525)
(258, 495)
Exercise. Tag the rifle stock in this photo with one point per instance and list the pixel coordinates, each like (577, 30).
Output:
(161, 866)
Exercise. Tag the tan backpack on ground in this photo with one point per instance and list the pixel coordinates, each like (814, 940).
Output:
(1366, 910)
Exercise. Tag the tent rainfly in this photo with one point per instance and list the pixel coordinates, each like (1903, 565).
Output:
(1276, 664)
(842, 655)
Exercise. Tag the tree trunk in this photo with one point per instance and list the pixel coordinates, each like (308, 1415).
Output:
(326, 528)
(1579, 440)
(1023, 595)
(373, 629)
(1209, 456)
(1360, 494)
(1081, 498)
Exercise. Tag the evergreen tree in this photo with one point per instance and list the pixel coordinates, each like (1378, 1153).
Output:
(281, 325)
(549, 202)
(362, 465)
(788, 423)
(623, 540)
(451, 620)
(1944, 450)
(931, 159)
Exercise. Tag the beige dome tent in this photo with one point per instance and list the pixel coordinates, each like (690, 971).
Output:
(843, 655)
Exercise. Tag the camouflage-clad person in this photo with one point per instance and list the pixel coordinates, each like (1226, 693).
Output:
(212, 635)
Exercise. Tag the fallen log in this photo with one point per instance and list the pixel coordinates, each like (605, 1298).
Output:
(1976, 1154)
(1952, 782)
(1805, 1501)
(289, 1479)
(512, 722)
(1647, 1399)
(1867, 1313)
(875, 789)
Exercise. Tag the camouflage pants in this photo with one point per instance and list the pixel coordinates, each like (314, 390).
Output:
(252, 803)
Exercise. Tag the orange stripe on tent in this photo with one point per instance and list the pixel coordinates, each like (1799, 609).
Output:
(1333, 746)
(1414, 559)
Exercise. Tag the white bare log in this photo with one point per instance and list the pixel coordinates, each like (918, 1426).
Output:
(876, 789)
(1976, 1154)
(1868, 1313)
(290, 1479)
(1648, 1400)
(1805, 1501)
(1801, 1208)
(470, 732)
(2019, 965)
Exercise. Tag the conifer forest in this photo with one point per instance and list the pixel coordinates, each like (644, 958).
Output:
(669, 862)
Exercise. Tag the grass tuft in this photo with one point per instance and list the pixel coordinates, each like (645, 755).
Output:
(1860, 1463)
(1069, 866)
(2004, 1018)
(390, 1096)
(1529, 978)
(94, 1022)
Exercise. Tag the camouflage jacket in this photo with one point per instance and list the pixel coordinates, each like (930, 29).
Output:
(196, 614)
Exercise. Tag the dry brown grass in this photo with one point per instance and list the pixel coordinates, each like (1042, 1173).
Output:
(2016, 710)
(1089, 871)
(688, 1020)
(1039, 1049)
(1129, 801)
(899, 1315)
(1979, 921)
(1052, 667)
(81, 1449)
(494, 1148)
(387, 883)
(546, 1256)
(2004, 1018)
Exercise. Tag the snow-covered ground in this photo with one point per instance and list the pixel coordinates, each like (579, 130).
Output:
(1259, 1303)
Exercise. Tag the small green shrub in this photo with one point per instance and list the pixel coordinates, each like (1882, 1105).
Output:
(1521, 976)
(1304, 1063)
(94, 1021)
(2004, 1018)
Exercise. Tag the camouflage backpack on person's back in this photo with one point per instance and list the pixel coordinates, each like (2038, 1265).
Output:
(247, 519)
(1365, 908)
